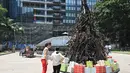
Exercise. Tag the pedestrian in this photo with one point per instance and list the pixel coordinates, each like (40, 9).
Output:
(109, 47)
(13, 49)
(45, 57)
(57, 59)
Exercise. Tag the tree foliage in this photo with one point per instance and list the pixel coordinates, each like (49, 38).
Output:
(2, 12)
(114, 20)
(7, 26)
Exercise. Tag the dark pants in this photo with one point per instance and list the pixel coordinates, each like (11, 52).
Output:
(109, 50)
(56, 69)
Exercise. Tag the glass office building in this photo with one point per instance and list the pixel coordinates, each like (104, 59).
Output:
(45, 18)
(45, 11)
(73, 8)
(18, 12)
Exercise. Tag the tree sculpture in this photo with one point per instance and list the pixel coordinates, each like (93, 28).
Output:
(87, 42)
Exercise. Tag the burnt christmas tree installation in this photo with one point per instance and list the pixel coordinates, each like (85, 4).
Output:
(86, 43)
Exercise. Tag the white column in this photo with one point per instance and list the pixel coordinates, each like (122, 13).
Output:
(45, 11)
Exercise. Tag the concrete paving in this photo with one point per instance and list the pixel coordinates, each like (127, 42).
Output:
(13, 63)
(124, 62)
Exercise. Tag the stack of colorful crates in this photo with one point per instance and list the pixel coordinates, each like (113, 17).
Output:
(108, 66)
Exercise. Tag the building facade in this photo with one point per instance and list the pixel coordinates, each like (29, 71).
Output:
(47, 11)
(73, 8)
(45, 18)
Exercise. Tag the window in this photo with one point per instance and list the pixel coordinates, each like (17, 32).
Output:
(66, 8)
(49, 20)
(40, 18)
(42, 6)
(32, 5)
(69, 8)
(69, 14)
(66, 14)
(78, 8)
(37, 5)
(67, 21)
(74, 8)
(63, 21)
(79, 2)
(74, 21)
(71, 21)
(74, 15)
(74, 2)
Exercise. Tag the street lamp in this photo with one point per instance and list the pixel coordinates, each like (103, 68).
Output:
(21, 30)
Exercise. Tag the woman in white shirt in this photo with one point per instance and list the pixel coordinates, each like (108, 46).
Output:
(45, 57)
(57, 59)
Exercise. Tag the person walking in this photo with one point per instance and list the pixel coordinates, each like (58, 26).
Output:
(107, 49)
(110, 47)
(57, 59)
(45, 57)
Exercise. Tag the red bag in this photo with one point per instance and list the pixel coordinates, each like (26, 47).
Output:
(79, 68)
(100, 69)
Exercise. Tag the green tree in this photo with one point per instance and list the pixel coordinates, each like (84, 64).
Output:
(2, 12)
(7, 27)
(114, 20)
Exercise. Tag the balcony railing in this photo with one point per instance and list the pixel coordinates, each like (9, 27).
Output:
(38, 15)
(42, 9)
(39, 4)
(43, 22)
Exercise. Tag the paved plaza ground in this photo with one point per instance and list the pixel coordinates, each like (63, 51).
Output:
(13, 63)
(124, 62)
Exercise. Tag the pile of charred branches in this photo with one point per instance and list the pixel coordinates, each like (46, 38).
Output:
(86, 43)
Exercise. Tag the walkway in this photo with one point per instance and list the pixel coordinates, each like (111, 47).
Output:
(13, 63)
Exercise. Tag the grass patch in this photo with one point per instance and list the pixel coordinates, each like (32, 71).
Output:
(122, 52)
(4, 53)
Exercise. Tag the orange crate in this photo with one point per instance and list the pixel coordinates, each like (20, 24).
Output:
(100, 69)
(79, 68)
